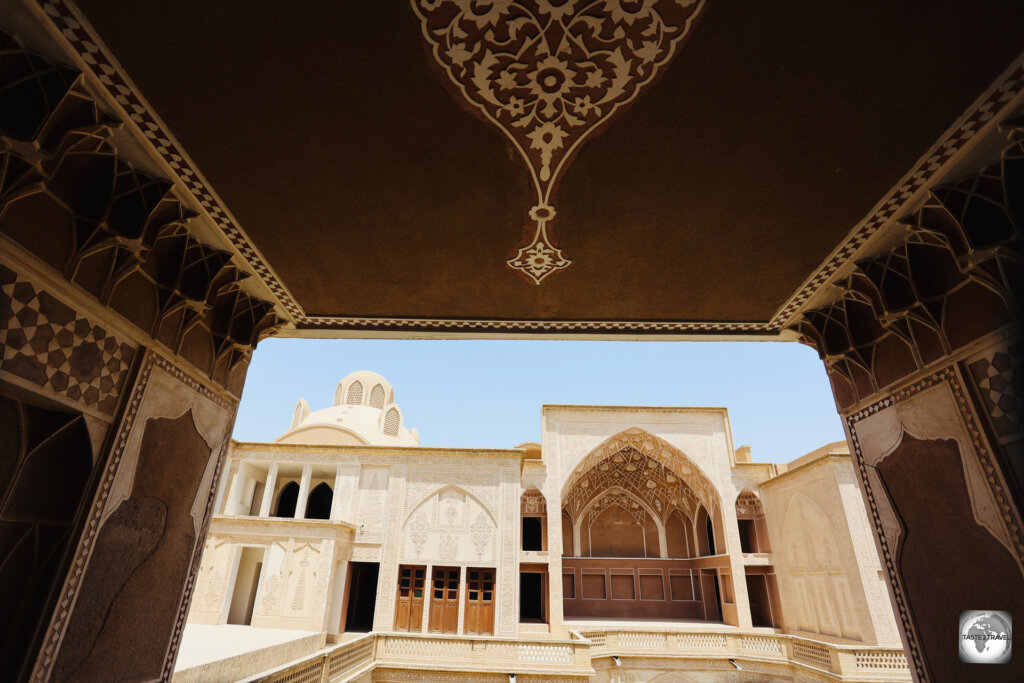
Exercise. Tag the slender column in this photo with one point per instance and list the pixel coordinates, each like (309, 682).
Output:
(337, 504)
(462, 600)
(235, 489)
(300, 504)
(268, 491)
(428, 597)
(222, 488)
(662, 538)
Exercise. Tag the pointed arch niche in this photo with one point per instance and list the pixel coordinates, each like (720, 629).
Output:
(636, 515)
(753, 528)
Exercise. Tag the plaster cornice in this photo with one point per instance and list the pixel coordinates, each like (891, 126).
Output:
(389, 451)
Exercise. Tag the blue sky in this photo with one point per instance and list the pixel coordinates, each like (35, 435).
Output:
(488, 394)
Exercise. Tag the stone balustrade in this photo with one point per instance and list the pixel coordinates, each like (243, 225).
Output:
(834, 662)
(469, 653)
(578, 657)
(343, 662)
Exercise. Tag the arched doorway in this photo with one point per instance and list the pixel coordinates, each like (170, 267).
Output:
(287, 500)
(319, 504)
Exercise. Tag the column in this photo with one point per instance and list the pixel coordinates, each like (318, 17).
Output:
(338, 504)
(144, 422)
(929, 413)
(427, 598)
(462, 601)
(268, 490)
(300, 504)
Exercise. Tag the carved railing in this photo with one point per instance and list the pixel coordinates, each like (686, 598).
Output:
(833, 662)
(810, 659)
(337, 663)
(463, 653)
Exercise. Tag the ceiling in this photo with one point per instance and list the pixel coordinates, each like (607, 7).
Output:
(373, 188)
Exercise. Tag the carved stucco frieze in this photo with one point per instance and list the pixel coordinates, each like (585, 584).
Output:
(508, 568)
(449, 525)
(387, 580)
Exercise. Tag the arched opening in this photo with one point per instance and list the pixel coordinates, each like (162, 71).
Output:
(287, 500)
(567, 548)
(319, 504)
(38, 443)
(533, 578)
(533, 512)
(391, 422)
(377, 397)
(355, 393)
(635, 517)
(710, 530)
(617, 524)
(678, 535)
(704, 531)
(751, 522)
(617, 533)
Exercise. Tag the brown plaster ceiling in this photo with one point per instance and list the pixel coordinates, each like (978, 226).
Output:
(339, 145)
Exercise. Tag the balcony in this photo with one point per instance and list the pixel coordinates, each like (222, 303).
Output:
(245, 525)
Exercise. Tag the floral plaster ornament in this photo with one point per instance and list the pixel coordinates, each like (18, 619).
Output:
(549, 73)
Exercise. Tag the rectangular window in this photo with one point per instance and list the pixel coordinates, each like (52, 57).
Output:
(532, 533)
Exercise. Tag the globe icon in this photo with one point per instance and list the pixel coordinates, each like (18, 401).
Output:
(985, 636)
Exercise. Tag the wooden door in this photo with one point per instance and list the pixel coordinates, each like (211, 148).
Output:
(480, 601)
(409, 606)
(444, 601)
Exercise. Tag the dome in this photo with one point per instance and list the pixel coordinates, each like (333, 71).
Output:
(363, 413)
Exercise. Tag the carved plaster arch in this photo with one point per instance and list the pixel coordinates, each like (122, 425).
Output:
(680, 472)
(413, 509)
(672, 677)
(748, 504)
(577, 523)
(615, 490)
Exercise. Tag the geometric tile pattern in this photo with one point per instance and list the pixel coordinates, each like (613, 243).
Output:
(49, 344)
(994, 378)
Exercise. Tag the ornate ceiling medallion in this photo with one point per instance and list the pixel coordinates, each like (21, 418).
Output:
(549, 73)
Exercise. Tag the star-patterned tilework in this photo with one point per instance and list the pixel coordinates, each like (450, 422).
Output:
(994, 378)
(49, 344)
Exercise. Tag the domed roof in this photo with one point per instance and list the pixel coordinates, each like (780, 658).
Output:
(363, 413)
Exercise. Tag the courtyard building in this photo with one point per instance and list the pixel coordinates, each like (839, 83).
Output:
(179, 181)
(629, 532)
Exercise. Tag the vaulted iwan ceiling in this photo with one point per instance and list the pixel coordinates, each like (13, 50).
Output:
(374, 186)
